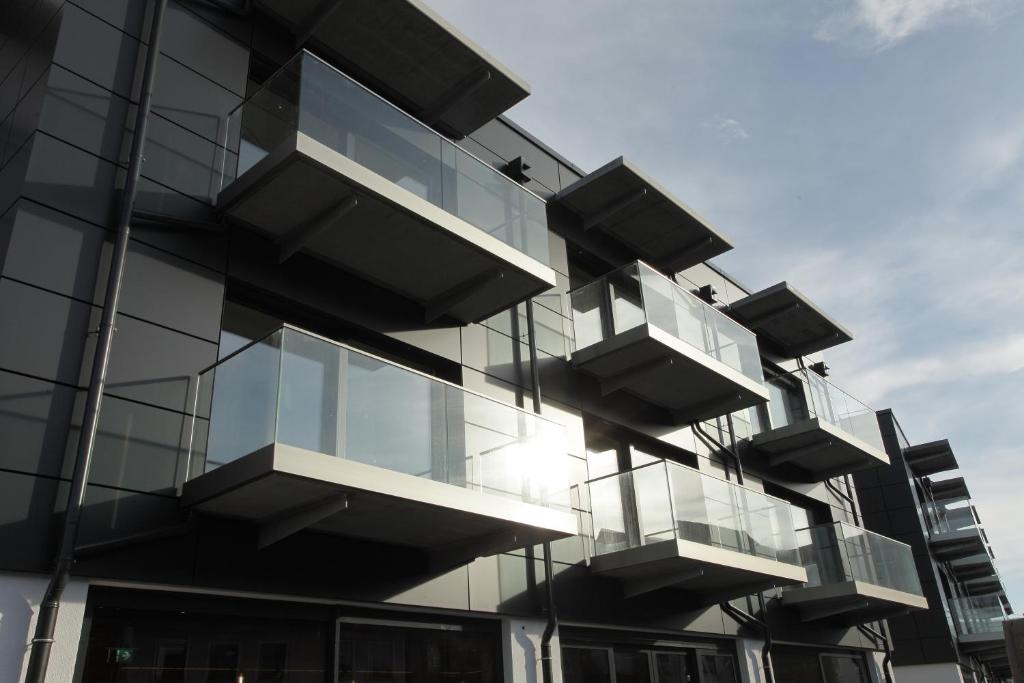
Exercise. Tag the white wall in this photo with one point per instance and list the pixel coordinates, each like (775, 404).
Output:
(19, 602)
(928, 673)
(521, 651)
(751, 668)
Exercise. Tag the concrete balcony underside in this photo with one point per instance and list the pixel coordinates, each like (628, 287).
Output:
(709, 573)
(954, 545)
(818, 447)
(788, 321)
(669, 373)
(283, 490)
(309, 197)
(409, 54)
(623, 204)
(982, 645)
(971, 568)
(930, 458)
(853, 602)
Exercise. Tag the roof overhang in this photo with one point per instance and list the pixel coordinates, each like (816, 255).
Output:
(409, 54)
(644, 220)
(789, 321)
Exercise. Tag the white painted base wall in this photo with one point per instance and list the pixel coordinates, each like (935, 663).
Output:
(521, 651)
(19, 602)
(929, 673)
(751, 669)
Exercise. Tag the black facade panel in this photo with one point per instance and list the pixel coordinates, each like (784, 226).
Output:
(45, 332)
(28, 519)
(70, 180)
(97, 51)
(34, 419)
(84, 114)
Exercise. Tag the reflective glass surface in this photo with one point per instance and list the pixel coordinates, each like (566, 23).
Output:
(666, 501)
(833, 553)
(982, 614)
(298, 389)
(309, 96)
(637, 294)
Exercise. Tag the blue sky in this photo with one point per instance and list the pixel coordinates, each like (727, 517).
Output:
(870, 152)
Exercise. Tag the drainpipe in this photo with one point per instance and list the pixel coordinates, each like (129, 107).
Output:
(46, 621)
(549, 574)
(750, 620)
(878, 637)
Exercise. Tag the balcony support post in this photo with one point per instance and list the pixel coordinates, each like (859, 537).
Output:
(291, 242)
(612, 208)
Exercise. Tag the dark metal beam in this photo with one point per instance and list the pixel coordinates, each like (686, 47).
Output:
(298, 238)
(446, 301)
(628, 377)
(293, 521)
(322, 12)
(613, 207)
(454, 95)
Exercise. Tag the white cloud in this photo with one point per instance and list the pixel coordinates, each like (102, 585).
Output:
(879, 24)
(728, 129)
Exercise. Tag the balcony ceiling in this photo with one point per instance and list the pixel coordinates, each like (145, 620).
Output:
(949, 489)
(621, 203)
(853, 602)
(669, 373)
(973, 567)
(788, 321)
(955, 545)
(930, 458)
(819, 448)
(308, 197)
(409, 54)
(284, 490)
(711, 574)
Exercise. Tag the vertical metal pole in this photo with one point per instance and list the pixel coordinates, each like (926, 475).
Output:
(46, 621)
(549, 575)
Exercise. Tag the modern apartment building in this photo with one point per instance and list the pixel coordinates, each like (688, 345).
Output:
(921, 500)
(395, 392)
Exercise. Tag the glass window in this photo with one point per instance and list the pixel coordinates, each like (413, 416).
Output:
(586, 665)
(843, 668)
(675, 667)
(717, 668)
(632, 667)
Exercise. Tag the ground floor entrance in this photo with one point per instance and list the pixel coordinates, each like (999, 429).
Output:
(655, 661)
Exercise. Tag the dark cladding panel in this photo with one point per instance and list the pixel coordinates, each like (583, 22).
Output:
(28, 520)
(153, 364)
(43, 332)
(68, 179)
(34, 418)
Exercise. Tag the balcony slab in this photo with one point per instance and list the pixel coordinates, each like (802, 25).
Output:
(818, 447)
(855, 602)
(309, 197)
(282, 488)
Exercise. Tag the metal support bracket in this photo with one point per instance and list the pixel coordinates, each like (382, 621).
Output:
(295, 240)
(458, 92)
(624, 379)
(446, 301)
(641, 586)
(613, 208)
(292, 521)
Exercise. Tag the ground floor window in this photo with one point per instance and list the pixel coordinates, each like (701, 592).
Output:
(162, 638)
(807, 665)
(621, 663)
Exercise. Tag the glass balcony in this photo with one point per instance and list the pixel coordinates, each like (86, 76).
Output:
(637, 330)
(327, 167)
(294, 418)
(953, 530)
(813, 424)
(855, 573)
(664, 524)
(979, 618)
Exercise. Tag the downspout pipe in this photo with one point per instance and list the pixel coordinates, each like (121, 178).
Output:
(547, 672)
(744, 618)
(878, 637)
(46, 620)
